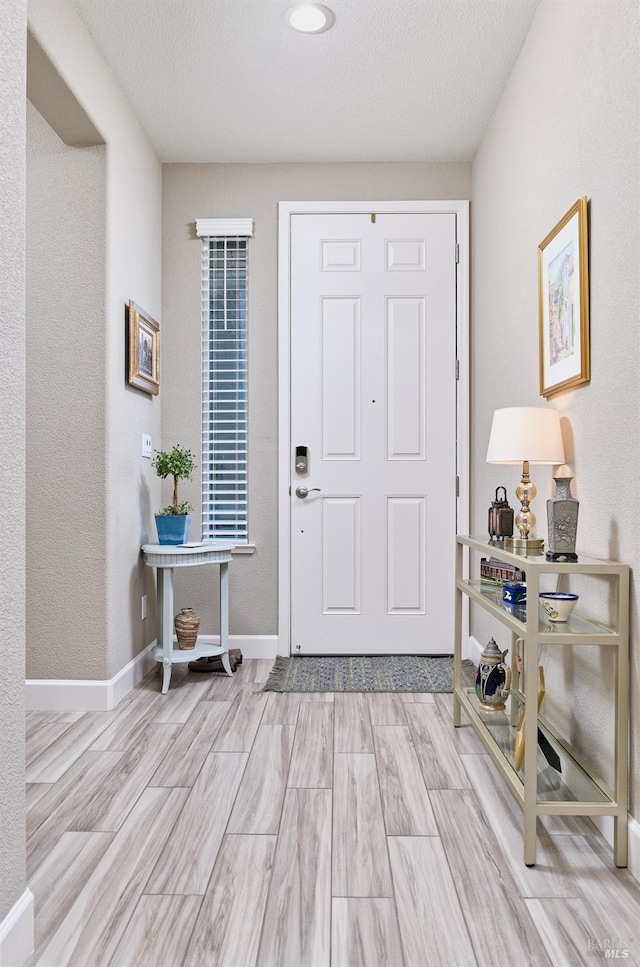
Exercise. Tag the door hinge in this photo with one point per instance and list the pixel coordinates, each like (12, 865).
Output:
(457, 253)
(457, 369)
(457, 486)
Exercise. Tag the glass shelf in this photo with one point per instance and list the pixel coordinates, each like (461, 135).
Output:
(576, 625)
(583, 564)
(551, 788)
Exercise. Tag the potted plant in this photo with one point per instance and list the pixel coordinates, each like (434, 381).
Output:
(174, 521)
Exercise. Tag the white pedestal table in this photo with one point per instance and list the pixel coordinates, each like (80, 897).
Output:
(166, 557)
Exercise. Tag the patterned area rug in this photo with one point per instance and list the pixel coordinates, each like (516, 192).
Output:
(376, 673)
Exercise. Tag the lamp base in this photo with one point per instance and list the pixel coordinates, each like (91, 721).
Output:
(524, 545)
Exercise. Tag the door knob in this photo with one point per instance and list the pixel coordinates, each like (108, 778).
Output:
(303, 492)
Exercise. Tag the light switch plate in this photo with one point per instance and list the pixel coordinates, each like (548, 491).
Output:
(147, 450)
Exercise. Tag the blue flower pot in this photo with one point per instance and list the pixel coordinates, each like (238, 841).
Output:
(173, 528)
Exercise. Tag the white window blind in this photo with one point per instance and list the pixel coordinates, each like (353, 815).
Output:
(224, 381)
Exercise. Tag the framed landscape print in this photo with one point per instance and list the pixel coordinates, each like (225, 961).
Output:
(563, 280)
(144, 350)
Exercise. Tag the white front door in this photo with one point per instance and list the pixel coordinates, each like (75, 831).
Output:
(373, 399)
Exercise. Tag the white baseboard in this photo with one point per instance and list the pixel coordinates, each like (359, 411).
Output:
(634, 848)
(251, 646)
(604, 825)
(472, 649)
(16, 932)
(70, 695)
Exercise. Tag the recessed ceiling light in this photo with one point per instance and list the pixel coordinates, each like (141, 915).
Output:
(310, 18)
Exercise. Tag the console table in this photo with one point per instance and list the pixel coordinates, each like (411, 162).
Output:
(166, 557)
(530, 628)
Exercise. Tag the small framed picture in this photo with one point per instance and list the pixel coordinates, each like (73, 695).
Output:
(563, 279)
(144, 350)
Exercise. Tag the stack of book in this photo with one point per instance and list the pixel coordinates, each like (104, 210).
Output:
(494, 573)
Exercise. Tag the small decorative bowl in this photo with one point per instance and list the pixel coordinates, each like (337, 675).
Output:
(558, 604)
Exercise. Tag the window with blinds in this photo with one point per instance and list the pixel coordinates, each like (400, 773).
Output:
(224, 387)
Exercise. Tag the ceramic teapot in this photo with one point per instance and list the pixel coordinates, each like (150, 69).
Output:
(493, 681)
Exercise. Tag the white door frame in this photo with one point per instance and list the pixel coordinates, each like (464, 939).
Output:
(285, 210)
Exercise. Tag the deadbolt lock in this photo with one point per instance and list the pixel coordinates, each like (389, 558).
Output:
(302, 459)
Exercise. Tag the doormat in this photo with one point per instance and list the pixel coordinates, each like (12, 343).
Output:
(374, 673)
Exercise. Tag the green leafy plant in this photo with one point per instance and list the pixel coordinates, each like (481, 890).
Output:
(179, 463)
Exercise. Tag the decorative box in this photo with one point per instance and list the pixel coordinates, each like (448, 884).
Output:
(514, 598)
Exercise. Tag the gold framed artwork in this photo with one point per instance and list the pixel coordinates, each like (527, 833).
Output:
(563, 281)
(144, 350)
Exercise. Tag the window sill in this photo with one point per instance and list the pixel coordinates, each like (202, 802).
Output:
(243, 549)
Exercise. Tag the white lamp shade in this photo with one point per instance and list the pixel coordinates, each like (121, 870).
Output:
(521, 433)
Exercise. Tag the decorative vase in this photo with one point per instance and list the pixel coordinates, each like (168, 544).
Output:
(562, 522)
(173, 528)
(493, 681)
(186, 623)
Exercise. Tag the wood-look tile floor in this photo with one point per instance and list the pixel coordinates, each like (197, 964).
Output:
(221, 826)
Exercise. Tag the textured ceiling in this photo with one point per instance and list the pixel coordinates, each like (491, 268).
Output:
(229, 81)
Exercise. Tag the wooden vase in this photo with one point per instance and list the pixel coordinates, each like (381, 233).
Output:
(186, 623)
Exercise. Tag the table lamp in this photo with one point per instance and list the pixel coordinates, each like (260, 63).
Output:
(526, 435)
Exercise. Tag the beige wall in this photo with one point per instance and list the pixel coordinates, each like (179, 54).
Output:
(12, 452)
(224, 191)
(124, 222)
(66, 407)
(567, 126)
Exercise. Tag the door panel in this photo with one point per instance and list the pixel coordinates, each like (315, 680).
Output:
(373, 397)
(405, 378)
(341, 379)
(406, 555)
(341, 555)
